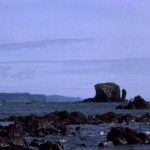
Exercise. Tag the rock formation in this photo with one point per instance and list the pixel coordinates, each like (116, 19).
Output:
(138, 103)
(106, 92)
(13, 136)
(124, 135)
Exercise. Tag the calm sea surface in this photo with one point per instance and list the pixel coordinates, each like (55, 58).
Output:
(91, 135)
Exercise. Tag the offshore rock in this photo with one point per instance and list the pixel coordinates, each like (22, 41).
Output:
(138, 103)
(107, 91)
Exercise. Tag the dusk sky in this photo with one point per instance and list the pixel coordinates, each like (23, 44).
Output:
(65, 47)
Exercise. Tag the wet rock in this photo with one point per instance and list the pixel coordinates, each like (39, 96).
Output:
(119, 141)
(120, 107)
(64, 130)
(78, 118)
(12, 130)
(36, 142)
(42, 132)
(13, 142)
(47, 145)
(109, 117)
(138, 103)
(69, 118)
(130, 106)
(144, 118)
(14, 147)
(3, 143)
(83, 145)
(19, 141)
(63, 116)
(127, 118)
(78, 128)
(106, 144)
(94, 120)
(131, 136)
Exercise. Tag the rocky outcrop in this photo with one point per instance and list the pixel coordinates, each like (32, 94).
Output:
(57, 124)
(13, 143)
(107, 92)
(138, 103)
(124, 135)
(47, 145)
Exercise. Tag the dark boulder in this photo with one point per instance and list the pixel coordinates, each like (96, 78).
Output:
(78, 128)
(120, 107)
(94, 120)
(127, 118)
(12, 130)
(20, 141)
(47, 145)
(66, 117)
(130, 106)
(109, 117)
(89, 100)
(131, 136)
(144, 118)
(83, 145)
(119, 141)
(138, 103)
(42, 132)
(3, 143)
(64, 130)
(13, 142)
(14, 147)
(78, 118)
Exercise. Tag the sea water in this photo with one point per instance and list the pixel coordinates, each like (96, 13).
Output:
(90, 135)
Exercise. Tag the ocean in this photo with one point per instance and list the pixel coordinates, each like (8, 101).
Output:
(90, 135)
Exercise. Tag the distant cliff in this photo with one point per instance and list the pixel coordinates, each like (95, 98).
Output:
(27, 97)
(59, 98)
(22, 97)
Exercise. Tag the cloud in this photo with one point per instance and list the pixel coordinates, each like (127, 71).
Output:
(13, 72)
(24, 74)
(41, 43)
(4, 71)
(30, 69)
(28, 62)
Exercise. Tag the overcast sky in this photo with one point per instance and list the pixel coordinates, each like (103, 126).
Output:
(66, 46)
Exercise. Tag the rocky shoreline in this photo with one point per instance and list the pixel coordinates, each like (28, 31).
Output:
(57, 123)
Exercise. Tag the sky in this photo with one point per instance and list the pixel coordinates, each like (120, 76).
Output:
(66, 47)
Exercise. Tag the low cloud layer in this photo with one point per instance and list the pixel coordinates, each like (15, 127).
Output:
(42, 43)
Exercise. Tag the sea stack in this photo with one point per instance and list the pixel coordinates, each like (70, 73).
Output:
(107, 92)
